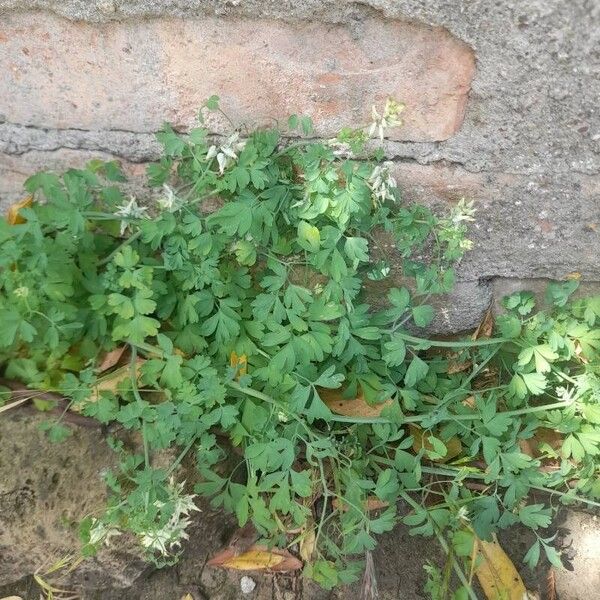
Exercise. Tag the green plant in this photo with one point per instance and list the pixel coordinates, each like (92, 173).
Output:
(240, 320)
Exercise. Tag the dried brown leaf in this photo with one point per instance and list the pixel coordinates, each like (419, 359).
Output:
(351, 407)
(371, 503)
(12, 214)
(486, 327)
(110, 359)
(256, 558)
(239, 363)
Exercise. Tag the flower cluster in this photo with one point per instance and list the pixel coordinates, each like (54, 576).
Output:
(166, 539)
(169, 201)
(226, 153)
(389, 118)
(382, 184)
(131, 210)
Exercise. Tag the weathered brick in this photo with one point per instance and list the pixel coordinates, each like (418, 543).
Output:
(133, 75)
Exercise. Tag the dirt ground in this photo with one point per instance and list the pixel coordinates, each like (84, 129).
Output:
(39, 513)
(399, 561)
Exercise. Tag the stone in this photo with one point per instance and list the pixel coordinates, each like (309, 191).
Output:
(45, 491)
(525, 227)
(132, 76)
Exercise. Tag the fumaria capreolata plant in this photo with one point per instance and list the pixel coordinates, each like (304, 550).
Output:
(254, 348)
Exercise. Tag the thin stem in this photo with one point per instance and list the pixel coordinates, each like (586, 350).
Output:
(457, 344)
(136, 394)
(444, 545)
(120, 247)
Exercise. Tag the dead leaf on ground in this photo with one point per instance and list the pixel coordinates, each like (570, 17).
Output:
(11, 598)
(551, 593)
(371, 503)
(456, 365)
(308, 543)
(496, 573)
(256, 558)
(112, 381)
(421, 440)
(351, 407)
(486, 327)
(187, 597)
(111, 359)
(542, 436)
(12, 214)
(239, 363)
(469, 401)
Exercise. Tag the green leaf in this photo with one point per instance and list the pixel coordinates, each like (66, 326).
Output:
(509, 326)
(309, 237)
(558, 293)
(417, 370)
(423, 315)
(212, 103)
(395, 351)
(357, 250)
(301, 483)
(532, 556)
(245, 252)
(400, 298)
(330, 379)
(535, 516)
(56, 432)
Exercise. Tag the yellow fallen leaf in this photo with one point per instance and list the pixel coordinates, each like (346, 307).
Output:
(256, 558)
(111, 381)
(239, 363)
(421, 440)
(351, 407)
(308, 543)
(12, 214)
(497, 575)
(11, 598)
(574, 275)
(187, 597)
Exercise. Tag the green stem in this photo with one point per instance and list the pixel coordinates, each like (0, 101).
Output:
(138, 399)
(444, 545)
(181, 456)
(457, 344)
(120, 247)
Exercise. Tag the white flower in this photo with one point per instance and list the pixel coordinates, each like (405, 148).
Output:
(390, 117)
(168, 538)
(462, 212)
(463, 514)
(169, 201)
(340, 148)
(382, 184)
(21, 292)
(100, 532)
(226, 153)
(131, 210)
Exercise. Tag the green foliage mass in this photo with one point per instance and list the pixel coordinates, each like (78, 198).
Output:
(278, 270)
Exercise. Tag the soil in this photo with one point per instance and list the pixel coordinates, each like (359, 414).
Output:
(46, 487)
(399, 560)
